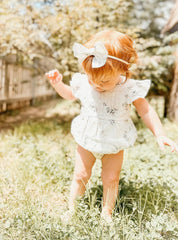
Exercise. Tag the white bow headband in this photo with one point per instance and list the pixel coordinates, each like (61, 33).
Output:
(99, 52)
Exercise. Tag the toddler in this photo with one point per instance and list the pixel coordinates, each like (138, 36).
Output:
(104, 127)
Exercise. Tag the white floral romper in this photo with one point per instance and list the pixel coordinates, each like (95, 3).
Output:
(104, 125)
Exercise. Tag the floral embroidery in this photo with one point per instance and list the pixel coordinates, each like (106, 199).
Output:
(112, 121)
(134, 92)
(109, 109)
(94, 109)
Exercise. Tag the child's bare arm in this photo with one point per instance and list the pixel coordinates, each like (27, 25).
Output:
(152, 121)
(55, 78)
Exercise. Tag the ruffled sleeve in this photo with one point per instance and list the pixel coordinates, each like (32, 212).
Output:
(76, 84)
(138, 89)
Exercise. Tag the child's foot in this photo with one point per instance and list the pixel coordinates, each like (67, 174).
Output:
(106, 218)
(67, 216)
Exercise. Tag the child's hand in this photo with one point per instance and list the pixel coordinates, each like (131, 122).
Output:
(54, 76)
(162, 140)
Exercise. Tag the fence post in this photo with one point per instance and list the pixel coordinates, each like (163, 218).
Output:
(6, 85)
(33, 91)
(35, 64)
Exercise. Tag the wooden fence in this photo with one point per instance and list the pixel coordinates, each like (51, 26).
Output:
(18, 86)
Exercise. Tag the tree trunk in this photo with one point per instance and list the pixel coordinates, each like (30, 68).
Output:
(173, 102)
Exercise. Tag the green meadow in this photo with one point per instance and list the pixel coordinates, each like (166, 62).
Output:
(36, 167)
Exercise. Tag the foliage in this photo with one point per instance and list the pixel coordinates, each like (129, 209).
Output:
(156, 63)
(154, 49)
(42, 33)
(37, 161)
(150, 16)
(50, 30)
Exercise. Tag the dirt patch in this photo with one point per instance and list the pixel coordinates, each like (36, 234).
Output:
(57, 108)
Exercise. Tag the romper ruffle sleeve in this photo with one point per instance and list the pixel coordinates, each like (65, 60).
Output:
(138, 89)
(104, 124)
(77, 84)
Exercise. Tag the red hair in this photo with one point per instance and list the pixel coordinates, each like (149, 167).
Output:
(118, 45)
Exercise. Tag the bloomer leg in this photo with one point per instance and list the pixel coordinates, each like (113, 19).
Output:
(82, 172)
(111, 167)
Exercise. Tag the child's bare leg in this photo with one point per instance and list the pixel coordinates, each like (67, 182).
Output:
(111, 167)
(82, 172)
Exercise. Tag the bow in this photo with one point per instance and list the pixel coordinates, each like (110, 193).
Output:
(98, 51)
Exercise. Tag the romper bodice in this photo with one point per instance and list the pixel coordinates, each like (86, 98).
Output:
(104, 124)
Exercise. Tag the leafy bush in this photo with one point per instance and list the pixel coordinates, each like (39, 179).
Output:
(45, 31)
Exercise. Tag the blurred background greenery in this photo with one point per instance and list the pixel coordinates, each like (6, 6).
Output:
(41, 34)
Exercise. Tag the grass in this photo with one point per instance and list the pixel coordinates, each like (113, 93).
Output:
(36, 167)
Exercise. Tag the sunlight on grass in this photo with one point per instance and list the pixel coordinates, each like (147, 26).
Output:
(36, 166)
